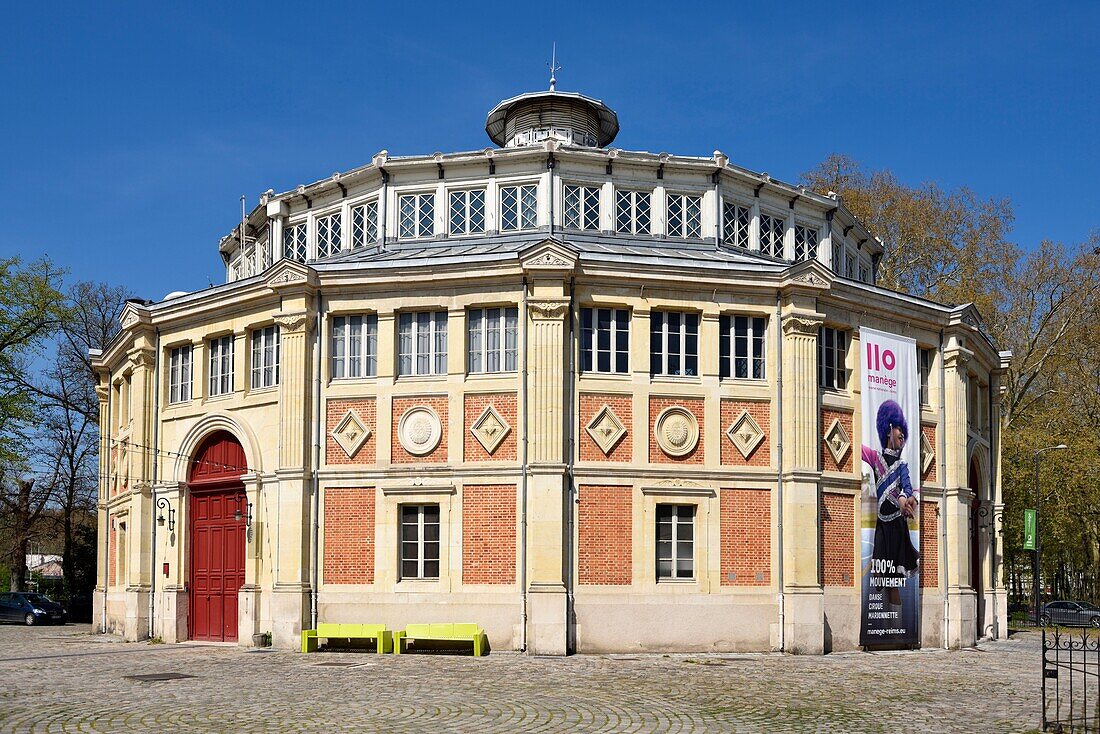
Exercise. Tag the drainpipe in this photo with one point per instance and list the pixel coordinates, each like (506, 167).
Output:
(381, 234)
(153, 487)
(107, 540)
(550, 166)
(941, 439)
(717, 210)
(523, 470)
(314, 528)
(779, 463)
(993, 440)
(570, 442)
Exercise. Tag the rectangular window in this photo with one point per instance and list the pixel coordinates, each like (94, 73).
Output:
(736, 220)
(416, 216)
(675, 542)
(492, 339)
(354, 346)
(518, 207)
(832, 354)
(864, 272)
(850, 265)
(685, 216)
(771, 235)
(582, 207)
(364, 224)
(924, 367)
(467, 212)
(221, 365)
(330, 235)
(179, 374)
(265, 357)
(419, 542)
(741, 351)
(674, 343)
(805, 243)
(632, 215)
(422, 343)
(605, 340)
(838, 255)
(294, 242)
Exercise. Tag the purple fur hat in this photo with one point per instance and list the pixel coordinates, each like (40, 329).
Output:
(889, 414)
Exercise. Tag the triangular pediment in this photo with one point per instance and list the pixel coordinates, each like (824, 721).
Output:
(548, 255)
(289, 273)
(809, 274)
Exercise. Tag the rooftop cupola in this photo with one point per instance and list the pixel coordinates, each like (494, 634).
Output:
(568, 117)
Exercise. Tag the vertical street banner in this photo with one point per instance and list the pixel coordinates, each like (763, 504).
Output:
(890, 530)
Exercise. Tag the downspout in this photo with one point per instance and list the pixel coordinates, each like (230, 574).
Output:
(570, 440)
(550, 163)
(523, 471)
(107, 540)
(153, 487)
(779, 467)
(942, 476)
(717, 211)
(993, 464)
(381, 233)
(314, 527)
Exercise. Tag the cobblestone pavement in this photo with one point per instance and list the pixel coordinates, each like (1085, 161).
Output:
(64, 679)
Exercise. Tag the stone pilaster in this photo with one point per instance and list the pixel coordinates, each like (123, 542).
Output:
(961, 598)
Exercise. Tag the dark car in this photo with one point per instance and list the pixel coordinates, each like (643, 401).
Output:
(1071, 613)
(30, 608)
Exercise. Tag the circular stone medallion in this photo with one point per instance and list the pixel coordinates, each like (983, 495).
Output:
(676, 431)
(419, 430)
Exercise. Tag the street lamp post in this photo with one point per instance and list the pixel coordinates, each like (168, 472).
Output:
(1038, 535)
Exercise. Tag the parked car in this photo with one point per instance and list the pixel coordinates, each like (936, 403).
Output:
(30, 608)
(1071, 613)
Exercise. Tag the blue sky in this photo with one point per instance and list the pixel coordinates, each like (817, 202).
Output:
(129, 131)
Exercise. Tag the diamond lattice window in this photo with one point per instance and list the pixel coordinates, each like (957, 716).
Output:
(416, 216)
(805, 243)
(632, 212)
(518, 207)
(329, 235)
(467, 212)
(294, 243)
(736, 219)
(582, 207)
(771, 235)
(364, 224)
(685, 216)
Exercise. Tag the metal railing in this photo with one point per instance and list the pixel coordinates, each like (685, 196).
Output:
(1071, 681)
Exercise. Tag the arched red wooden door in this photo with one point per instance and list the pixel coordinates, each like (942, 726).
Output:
(216, 538)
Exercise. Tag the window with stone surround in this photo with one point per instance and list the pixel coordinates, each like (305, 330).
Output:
(265, 357)
(330, 235)
(832, 355)
(742, 347)
(632, 212)
(364, 224)
(467, 212)
(924, 368)
(518, 207)
(605, 340)
(684, 215)
(354, 346)
(422, 343)
(582, 207)
(221, 365)
(674, 343)
(772, 230)
(419, 542)
(295, 245)
(492, 339)
(415, 216)
(805, 243)
(179, 374)
(675, 542)
(736, 220)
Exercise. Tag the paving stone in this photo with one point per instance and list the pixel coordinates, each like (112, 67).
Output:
(66, 679)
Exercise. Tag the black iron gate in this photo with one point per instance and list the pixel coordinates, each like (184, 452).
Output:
(1071, 681)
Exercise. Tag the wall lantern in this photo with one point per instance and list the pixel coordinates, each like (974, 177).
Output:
(238, 516)
(163, 503)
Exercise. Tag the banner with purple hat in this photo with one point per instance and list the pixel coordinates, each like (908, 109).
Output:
(890, 530)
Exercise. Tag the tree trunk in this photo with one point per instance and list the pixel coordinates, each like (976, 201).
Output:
(19, 564)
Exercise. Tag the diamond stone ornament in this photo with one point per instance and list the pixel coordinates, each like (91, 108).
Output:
(745, 433)
(490, 429)
(837, 441)
(606, 429)
(927, 453)
(351, 433)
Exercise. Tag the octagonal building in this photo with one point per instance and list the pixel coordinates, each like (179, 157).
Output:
(591, 399)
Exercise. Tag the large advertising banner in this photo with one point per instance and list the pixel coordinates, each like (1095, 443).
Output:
(890, 531)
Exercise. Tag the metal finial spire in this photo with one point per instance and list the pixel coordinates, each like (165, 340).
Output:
(554, 68)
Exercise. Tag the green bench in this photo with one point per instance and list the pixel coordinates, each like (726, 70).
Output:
(449, 632)
(348, 632)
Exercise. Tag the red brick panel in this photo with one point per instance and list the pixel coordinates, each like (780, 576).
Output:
(837, 539)
(761, 412)
(929, 546)
(622, 406)
(473, 407)
(349, 536)
(656, 405)
(604, 518)
(929, 476)
(827, 418)
(398, 454)
(489, 534)
(334, 412)
(745, 517)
